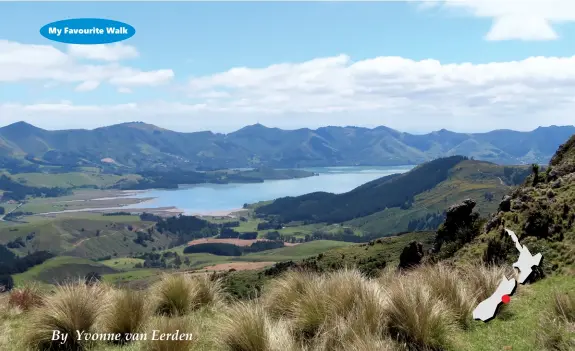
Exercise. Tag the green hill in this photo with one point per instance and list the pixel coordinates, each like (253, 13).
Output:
(82, 235)
(137, 145)
(541, 212)
(410, 201)
(60, 269)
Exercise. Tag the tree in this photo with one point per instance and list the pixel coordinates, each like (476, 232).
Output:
(93, 278)
(6, 282)
(535, 169)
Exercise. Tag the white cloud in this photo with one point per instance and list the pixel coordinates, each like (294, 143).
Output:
(151, 78)
(519, 20)
(401, 93)
(124, 90)
(88, 86)
(105, 52)
(22, 62)
(408, 95)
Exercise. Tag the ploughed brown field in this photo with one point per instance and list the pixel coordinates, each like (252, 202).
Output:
(238, 242)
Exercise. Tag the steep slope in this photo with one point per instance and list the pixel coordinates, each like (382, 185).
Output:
(400, 202)
(131, 145)
(541, 212)
(484, 182)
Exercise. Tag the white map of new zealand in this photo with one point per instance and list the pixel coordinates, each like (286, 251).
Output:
(525, 263)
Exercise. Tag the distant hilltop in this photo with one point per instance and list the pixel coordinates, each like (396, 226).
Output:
(144, 146)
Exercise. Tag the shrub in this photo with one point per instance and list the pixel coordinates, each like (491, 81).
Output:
(126, 314)
(26, 297)
(73, 306)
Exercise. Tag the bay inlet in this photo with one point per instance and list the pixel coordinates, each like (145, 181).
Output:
(209, 198)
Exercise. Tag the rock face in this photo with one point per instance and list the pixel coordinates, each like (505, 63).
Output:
(505, 204)
(460, 226)
(411, 255)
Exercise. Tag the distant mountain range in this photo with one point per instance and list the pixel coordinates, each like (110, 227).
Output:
(142, 146)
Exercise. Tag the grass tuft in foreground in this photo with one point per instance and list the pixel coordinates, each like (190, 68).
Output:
(126, 314)
(73, 307)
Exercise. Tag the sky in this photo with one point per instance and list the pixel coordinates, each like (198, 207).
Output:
(466, 65)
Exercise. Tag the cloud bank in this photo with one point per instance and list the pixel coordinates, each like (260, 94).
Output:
(401, 93)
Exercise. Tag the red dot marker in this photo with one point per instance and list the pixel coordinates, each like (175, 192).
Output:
(505, 298)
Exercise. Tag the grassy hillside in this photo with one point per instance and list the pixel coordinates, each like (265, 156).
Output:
(484, 182)
(60, 269)
(411, 201)
(541, 212)
(85, 235)
(73, 179)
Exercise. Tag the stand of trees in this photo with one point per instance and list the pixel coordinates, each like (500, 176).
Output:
(223, 249)
(16, 191)
(11, 264)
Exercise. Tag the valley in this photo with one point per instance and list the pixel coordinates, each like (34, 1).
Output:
(247, 229)
(114, 232)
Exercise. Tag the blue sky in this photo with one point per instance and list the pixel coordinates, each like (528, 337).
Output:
(374, 66)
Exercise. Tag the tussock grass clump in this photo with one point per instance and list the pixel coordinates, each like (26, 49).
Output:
(447, 284)
(564, 306)
(416, 317)
(281, 294)
(173, 295)
(247, 327)
(176, 333)
(311, 302)
(73, 307)
(554, 334)
(484, 280)
(126, 314)
(349, 334)
(311, 310)
(26, 297)
(208, 292)
(179, 294)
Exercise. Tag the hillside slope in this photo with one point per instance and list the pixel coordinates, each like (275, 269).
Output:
(486, 183)
(405, 201)
(131, 145)
(541, 212)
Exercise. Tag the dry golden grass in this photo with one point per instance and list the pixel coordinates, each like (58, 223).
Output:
(425, 309)
(445, 284)
(180, 294)
(170, 325)
(281, 293)
(73, 307)
(415, 315)
(564, 306)
(127, 313)
(247, 327)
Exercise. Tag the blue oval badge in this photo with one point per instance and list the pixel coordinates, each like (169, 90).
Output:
(87, 31)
